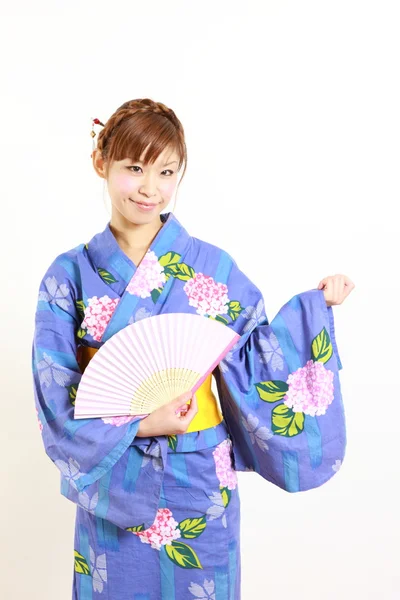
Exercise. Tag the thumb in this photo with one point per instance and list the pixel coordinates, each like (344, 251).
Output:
(183, 398)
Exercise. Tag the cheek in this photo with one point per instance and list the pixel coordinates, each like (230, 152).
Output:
(126, 185)
(167, 188)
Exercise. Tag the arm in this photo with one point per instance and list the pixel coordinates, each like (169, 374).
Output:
(95, 459)
(280, 389)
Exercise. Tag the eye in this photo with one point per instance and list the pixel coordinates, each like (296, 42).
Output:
(137, 167)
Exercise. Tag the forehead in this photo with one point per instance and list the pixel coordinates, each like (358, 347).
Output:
(166, 156)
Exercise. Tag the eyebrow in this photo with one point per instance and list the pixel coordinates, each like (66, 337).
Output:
(165, 165)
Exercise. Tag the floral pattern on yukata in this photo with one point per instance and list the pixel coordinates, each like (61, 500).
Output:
(207, 296)
(223, 464)
(217, 508)
(165, 532)
(50, 371)
(203, 592)
(70, 471)
(118, 421)
(98, 313)
(97, 569)
(272, 353)
(56, 293)
(258, 434)
(228, 481)
(255, 315)
(307, 391)
(148, 276)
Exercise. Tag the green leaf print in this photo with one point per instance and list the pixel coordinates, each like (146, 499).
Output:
(169, 271)
(136, 528)
(155, 294)
(220, 319)
(171, 258)
(72, 390)
(322, 347)
(226, 495)
(81, 565)
(81, 333)
(192, 528)
(172, 442)
(182, 555)
(169, 262)
(80, 307)
(271, 391)
(285, 422)
(106, 276)
(234, 309)
(183, 272)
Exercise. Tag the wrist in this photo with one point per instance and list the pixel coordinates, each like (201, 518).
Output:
(143, 430)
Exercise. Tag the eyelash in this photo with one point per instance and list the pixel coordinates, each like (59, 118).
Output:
(137, 166)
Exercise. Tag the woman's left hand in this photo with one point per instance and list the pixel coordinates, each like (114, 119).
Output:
(336, 288)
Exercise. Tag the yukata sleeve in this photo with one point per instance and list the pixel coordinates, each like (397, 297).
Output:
(90, 454)
(280, 390)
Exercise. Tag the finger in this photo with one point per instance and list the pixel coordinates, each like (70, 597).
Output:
(349, 285)
(182, 399)
(321, 284)
(343, 289)
(348, 281)
(193, 406)
(328, 287)
(193, 409)
(338, 287)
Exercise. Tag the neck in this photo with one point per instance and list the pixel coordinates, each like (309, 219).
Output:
(135, 236)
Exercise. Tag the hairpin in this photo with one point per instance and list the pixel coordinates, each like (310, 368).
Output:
(93, 133)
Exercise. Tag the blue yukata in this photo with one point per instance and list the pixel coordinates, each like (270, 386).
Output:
(158, 518)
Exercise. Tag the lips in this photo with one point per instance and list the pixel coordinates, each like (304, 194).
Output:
(145, 204)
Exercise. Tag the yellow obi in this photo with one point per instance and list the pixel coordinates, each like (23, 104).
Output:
(208, 415)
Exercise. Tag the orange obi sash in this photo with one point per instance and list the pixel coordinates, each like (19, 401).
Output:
(208, 415)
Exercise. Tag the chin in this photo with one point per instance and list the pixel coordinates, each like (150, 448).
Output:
(141, 219)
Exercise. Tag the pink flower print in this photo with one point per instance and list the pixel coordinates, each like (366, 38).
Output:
(207, 296)
(39, 421)
(118, 421)
(310, 389)
(225, 472)
(148, 276)
(163, 531)
(97, 315)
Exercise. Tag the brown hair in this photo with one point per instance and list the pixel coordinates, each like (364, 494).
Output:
(137, 124)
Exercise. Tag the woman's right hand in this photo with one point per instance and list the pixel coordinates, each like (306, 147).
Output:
(167, 419)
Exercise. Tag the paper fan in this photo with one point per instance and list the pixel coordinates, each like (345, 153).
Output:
(151, 362)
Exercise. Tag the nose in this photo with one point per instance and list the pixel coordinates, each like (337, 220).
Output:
(149, 187)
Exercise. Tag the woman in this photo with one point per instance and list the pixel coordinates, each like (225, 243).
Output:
(157, 504)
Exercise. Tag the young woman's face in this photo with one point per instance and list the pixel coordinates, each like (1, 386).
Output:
(141, 192)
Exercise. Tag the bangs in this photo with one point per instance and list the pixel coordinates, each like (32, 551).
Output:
(134, 135)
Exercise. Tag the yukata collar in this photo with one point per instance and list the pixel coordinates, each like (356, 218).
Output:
(104, 250)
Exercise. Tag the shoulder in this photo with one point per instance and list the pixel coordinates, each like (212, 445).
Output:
(211, 249)
(60, 289)
(227, 268)
(223, 265)
(64, 269)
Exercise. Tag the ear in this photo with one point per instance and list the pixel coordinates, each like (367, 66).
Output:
(99, 163)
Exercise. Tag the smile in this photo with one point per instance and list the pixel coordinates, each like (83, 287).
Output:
(143, 205)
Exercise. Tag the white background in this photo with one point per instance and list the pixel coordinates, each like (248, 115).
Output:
(291, 114)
